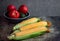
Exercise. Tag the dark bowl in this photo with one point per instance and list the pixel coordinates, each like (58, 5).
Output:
(16, 20)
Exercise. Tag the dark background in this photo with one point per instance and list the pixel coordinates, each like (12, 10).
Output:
(36, 7)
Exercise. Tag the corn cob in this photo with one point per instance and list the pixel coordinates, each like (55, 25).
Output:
(26, 22)
(41, 23)
(28, 33)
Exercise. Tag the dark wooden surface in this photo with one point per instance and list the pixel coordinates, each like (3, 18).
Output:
(6, 28)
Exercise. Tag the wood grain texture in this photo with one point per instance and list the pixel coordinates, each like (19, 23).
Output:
(6, 29)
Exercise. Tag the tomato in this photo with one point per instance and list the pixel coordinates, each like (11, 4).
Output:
(11, 7)
(23, 9)
(14, 14)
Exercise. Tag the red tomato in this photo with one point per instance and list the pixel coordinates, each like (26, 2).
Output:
(11, 7)
(23, 9)
(14, 14)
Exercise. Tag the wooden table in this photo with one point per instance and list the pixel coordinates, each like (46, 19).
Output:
(6, 29)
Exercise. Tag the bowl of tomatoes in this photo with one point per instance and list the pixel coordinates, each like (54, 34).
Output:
(14, 16)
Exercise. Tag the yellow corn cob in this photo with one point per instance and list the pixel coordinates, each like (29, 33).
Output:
(41, 23)
(28, 33)
(26, 22)
(37, 29)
